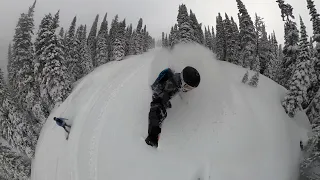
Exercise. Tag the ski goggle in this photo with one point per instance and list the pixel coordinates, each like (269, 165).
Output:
(185, 87)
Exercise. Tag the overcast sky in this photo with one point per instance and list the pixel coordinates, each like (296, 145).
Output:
(158, 15)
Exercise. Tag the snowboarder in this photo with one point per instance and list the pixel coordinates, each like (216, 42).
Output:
(164, 88)
(61, 122)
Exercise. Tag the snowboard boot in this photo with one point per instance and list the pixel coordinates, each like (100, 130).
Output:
(152, 141)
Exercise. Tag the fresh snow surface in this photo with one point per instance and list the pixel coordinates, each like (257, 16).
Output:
(223, 130)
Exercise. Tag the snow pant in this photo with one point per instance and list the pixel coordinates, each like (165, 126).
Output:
(64, 127)
(156, 116)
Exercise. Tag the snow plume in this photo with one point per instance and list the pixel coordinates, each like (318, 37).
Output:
(195, 55)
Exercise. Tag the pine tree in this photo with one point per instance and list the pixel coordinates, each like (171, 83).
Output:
(309, 168)
(9, 66)
(119, 43)
(145, 39)
(61, 33)
(315, 18)
(231, 36)
(166, 41)
(312, 49)
(72, 55)
(138, 38)
(313, 110)
(247, 36)
(208, 38)
(163, 40)
(186, 32)
(22, 61)
(92, 40)
(174, 36)
(15, 166)
(2, 87)
(55, 84)
(128, 38)
(84, 51)
(39, 109)
(213, 43)
(132, 48)
(198, 33)
(245, 77)
(113, 34)
(272, 70)
(301, 79)
(16, 126)
(254, 80)
(290, 49)
(262, 44)
(102, 43)
(256, 65)
(220, 39)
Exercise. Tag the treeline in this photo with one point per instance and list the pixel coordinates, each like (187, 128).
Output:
(296, 65)
(41, 74)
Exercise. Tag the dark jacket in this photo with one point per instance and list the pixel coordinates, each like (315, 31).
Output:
(166, 86)
(60, 121)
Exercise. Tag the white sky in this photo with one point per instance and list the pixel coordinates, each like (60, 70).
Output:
(158, 15)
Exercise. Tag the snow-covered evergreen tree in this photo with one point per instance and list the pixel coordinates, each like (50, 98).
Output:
(312, 49)
(9, 65)
(174, 36)
(245, 77)
(118, 50)
(231, 40)
(186, 32)
(309, 168)
(16, 126)
(262, 44)
(128, 37)
(301, 79)
(22, 61)
(132, 49)
(85, 57)
(113, 34)
(220, 39)
(61, 33)
(315, 18)
(137, 39)
(254, 81)
(102, 43)
(15, 166)
(145, 39)
(208, 38)
(247, 36)
(196, 26)
(213, 43)
(272, 70)
(39, 109)
(313, 110)
(2, 87)
(55, 84)
(290, 49)
(71, 61)
(92, 40)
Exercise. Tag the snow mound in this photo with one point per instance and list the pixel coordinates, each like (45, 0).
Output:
(222, 130)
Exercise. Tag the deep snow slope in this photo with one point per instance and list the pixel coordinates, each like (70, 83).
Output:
(223, 130)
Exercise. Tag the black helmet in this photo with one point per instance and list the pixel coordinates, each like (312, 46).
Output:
(191, 76)
(54, 118)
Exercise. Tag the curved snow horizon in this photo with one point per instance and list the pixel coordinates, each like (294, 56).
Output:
(222, 130)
